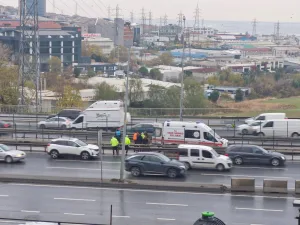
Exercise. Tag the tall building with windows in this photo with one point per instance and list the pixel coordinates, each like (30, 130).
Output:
(41, 6)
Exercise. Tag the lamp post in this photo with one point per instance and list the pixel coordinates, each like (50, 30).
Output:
(182, 72)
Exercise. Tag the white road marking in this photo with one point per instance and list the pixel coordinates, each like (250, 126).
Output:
(149, 191)
(120, 216)
(154, 203)
(168, 219)
(255, 209)
(7, 221)
(255, 167)
(237, 175)
(29, 211)
(74, 214)
(73, 160)
(4, 196)
(74, 199)
(76, 168)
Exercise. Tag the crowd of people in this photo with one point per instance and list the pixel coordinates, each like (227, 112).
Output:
(138, 138)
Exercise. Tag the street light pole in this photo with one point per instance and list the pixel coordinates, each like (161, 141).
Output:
(182, 72)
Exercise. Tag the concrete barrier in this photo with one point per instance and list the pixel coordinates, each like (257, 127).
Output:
(297, 187)
(275, 186)
(243, 184)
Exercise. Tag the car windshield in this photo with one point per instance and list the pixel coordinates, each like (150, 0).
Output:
(165, 158)
(81, 143)
(4, 147)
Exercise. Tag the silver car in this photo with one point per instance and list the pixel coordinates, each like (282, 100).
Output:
(55, 122)
(249, 128)
(8, 155)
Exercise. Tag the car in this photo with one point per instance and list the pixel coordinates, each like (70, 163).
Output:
(9, 155)
(68, 113)
(266, 116)
(4, 124)
(55, 122)
(251, 128)
(142, 127)
(253, 154)
(152, 163)
(71, 146)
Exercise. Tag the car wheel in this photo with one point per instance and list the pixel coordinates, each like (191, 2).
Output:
(275, 162)
(187, 165)
(295, 135)
(54, 154)
(220, 167)
(244, 131)
(172, 173)
(42, 126)
(85, 155)
(63, 127)
(238, 161)
(135, 171)
(8, 159)
(261, 134)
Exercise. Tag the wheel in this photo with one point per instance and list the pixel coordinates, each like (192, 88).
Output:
(135, 171)
(244, 131)
(172, 173)
(275, 162)
(238, 161)
(8, 159)
(63, 127)
(54, 154)
(220, 167)
(85, 155)
(42, 126)
(295, 135)
(187, 165)
(261, 134)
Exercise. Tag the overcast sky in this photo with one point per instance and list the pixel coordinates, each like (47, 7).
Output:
(233, 10)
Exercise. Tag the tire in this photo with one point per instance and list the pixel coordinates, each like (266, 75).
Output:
(295, 135)
(244, 131)
(187, 165)
(8, 159)
(63, 127)
(42, 126)
(54, 154)
(135, 171)
(275, 162)
(172, 173)
(220, 167)
(85, 155)
(261, 134)
(238, 161)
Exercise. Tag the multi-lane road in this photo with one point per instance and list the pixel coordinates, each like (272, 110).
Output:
(42, 164)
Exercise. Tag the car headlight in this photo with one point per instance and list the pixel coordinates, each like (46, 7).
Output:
(282, 157)
(19, 155)
(182, 167)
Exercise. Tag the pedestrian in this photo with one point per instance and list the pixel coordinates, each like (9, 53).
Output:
(114, 144)
(143, 138)
(127, 143)
(146, 138)
(135, 137)
(118, 134)
(139, 139)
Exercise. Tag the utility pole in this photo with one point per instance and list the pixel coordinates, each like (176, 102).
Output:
(254, 27)
(179, 22)
(182, 71)
(278, 31)
(197, 22)
(143, 20)
(165, 20)
(150, 22)
(160, 25)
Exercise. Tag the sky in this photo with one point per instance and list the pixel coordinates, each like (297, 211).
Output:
(229, 10)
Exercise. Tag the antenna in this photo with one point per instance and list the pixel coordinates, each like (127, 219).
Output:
(254, 23)
(180, 15)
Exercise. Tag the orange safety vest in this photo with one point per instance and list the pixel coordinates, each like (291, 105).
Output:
(135, 136)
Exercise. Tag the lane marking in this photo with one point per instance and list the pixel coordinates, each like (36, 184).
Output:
(74, 160)
(4, 196)
(149, 191)
(255, 209)
(74, 199)
(253, 167)
(29, 211)
(237, 175)
(74, 168)
(168, 219)
(154, 203)
(114, 216)
(74, 214)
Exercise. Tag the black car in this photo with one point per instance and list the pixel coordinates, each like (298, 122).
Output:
(141, 127)
(252, 154)
(68, 113)
(151, 163)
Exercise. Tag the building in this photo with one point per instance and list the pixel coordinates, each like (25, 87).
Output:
(286, 51)
(201, 74)
(106, 44)
(97, 67)
(41, 7)
(248, 52)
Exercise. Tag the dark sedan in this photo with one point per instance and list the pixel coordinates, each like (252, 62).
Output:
(151, 163)
(252, 154)
(141, 127)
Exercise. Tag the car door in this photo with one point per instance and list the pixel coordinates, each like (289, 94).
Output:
(61, 146)
(72, 148)
(247, 154)
(2, 154)
(153, 164)
(208, 160)
(50, 122)
(259, 156)
(268, 129)
(195, 160)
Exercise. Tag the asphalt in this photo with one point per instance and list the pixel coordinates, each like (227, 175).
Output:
(136, 207)
(42, 164)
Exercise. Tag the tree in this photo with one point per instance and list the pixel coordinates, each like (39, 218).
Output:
(214, 96)
(70, 98)
(119, 53)
(90, 49)
(54, 65)
(155, 74)
(193, 94)
(239, 95)
(135, 91)
(171, 98)
(104, 91)
(156, 96)
(213, 80)
(91, 73)
(77, 72)
(296, 81)
(166, 58)
(143, 71)
(9, 87)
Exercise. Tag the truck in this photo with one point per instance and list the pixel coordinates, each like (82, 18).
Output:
(178, 132)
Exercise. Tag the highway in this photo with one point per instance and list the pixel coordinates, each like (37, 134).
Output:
(42, 164)
(136, 207)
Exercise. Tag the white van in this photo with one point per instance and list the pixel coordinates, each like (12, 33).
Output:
(200, 156)
(107, 104)
(279, 128)
(177, 132)
(266, 116)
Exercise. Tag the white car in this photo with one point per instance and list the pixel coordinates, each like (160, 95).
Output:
(249, 128)
(72, 146)
(9, 155)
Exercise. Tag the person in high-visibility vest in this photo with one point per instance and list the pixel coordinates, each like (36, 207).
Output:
(143, 137)
(135, 137)
(127, 143)
(114, 144)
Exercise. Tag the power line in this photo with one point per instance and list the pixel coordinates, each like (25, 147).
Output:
(254, 23)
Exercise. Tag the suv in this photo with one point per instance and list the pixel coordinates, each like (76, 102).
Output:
(72, 146)
(69, 113)
(254, 154)
(152, 163)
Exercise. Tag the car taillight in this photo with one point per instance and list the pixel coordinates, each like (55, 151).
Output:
(48, 144)
(226, 154)
(6, 125)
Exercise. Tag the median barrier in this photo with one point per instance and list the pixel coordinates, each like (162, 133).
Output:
(275, 186)
(297, 187)
(243, 184)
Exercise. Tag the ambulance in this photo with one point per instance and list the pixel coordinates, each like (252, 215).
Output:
(195, 133)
